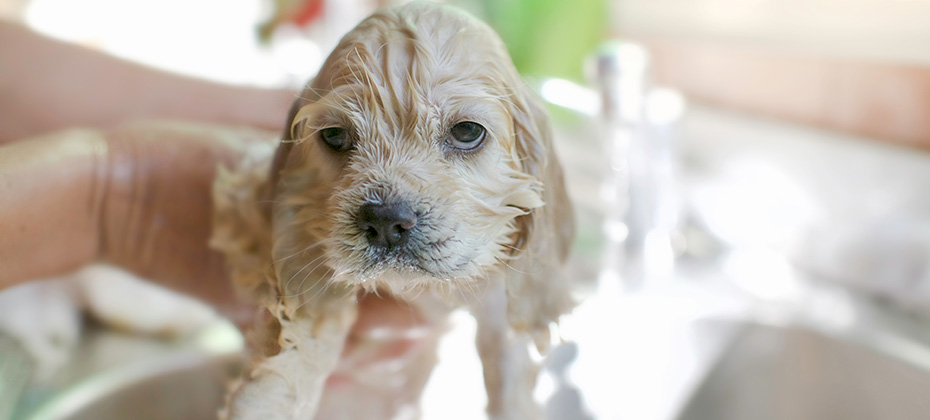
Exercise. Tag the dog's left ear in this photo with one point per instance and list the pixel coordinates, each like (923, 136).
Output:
(554, 222)
(538, 292)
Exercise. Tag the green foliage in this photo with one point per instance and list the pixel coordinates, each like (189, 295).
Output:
(549, 38)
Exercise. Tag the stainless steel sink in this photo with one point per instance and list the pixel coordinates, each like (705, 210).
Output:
(645, 355)
(191, 388)
(122, 376)
(794, 373)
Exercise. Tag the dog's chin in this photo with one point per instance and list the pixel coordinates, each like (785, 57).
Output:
(400, 276)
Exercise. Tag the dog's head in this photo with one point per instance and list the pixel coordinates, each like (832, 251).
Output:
(417, 153)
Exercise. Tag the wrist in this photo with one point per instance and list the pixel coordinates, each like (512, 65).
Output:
(261, 108)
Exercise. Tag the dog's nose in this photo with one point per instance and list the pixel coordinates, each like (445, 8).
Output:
(386, 225)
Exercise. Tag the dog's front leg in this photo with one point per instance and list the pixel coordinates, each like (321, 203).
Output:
(509, 372)
(288, 385)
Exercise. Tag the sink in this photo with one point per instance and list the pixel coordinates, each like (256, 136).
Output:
(828, 352)
(185, 388)
(115, 375)
(794, 373)
(835, 234)
(691, 347)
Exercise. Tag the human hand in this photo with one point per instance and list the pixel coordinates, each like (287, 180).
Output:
(139, 197)
(387, 360)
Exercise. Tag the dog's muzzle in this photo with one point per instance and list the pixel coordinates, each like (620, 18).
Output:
(386, 226)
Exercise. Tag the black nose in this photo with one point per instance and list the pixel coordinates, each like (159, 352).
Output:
(386, 225)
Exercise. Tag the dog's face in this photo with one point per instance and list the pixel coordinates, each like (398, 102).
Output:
(412, 156)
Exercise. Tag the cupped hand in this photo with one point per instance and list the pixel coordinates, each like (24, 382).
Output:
(139, 197)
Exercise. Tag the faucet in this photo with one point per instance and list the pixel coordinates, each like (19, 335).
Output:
(638, 128)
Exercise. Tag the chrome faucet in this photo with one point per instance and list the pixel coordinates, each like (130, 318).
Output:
(638, 189)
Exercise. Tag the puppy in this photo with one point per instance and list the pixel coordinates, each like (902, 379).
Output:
(417, 163)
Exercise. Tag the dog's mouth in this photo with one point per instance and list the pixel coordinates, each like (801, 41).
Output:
(399, 275)
(416, 257)
(402, 260)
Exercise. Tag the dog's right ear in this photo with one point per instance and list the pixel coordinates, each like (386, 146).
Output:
(242, 199)
(241, 226)
(283, 150)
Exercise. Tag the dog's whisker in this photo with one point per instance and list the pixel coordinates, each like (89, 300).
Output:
(289, 280)
(305, 249)
(472, 287)
(307, 276)
(321, 292)
(514, 269)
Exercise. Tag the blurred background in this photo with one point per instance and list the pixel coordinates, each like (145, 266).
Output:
(751, 180)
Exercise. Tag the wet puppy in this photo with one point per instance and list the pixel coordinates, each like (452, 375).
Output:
(417, 163)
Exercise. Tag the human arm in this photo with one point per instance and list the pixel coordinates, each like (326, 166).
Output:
(48, 85)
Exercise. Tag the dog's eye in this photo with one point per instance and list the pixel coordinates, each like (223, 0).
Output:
(467, 135)
(336, 138)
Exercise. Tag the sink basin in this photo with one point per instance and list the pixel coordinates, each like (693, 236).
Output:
(644, 353)
(116, 375)
(191, 388)
(795, 373)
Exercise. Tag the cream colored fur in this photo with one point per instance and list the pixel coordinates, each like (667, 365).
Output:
(494, 223)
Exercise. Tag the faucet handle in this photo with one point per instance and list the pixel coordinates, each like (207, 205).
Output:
(621, 74)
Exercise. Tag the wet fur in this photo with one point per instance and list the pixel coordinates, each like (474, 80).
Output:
(495, 223)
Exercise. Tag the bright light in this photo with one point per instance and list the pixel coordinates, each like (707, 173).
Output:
(658, 255)
(572, 96)
(633, 58)
(545, 387)
(211, 39)
(296, 54)
(664, 106)
(455, 390)
(616, 230)
(763, 273)
(758, 204)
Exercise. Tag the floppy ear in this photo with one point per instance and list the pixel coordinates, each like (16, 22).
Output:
(241, 226)
(242, 199)
(535, 148)
(284, 148)
(538, 292)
